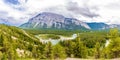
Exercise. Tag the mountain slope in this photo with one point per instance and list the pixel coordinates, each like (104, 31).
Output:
(15, 32)
(98, 26)
(54, 21)
(102, 26)
(15, 42)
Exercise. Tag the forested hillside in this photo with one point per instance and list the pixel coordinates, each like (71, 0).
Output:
(94, 45)
(15, 43)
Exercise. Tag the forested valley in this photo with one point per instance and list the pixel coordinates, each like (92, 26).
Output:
(17, 43)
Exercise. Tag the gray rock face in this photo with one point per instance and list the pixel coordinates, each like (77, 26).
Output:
(52, 20)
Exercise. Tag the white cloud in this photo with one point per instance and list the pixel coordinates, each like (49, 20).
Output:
(97, 11)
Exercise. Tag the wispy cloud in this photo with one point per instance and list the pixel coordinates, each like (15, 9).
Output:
(87, 10)
(83, 10)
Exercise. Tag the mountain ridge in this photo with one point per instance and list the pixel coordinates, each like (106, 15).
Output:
(102, 26)
(48, 20)
(52, 20)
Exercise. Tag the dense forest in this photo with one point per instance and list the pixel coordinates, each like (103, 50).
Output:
(16, 43)
(54, 31)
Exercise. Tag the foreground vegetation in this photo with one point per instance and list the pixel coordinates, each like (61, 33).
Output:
(16, 43)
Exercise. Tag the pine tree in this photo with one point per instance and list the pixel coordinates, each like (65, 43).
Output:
(113, 49)
(97, 50)
(8, 48)
(1, 55)
(34, 52)
(48, 51)
(80, 49)
(71, 48)
(11, 53)
(113, 33)
(58, 52)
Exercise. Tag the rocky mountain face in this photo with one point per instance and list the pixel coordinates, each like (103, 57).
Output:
(54, 21)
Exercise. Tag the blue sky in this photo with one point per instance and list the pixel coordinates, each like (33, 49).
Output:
(16, 12)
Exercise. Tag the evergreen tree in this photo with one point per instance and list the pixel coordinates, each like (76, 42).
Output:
(71, 48)
(80, 49)
(97, 50)
(1, 55)
(113, 33)
(34, 52)
(11, 53)
(48, 50)
(58, 52)
(113, 49)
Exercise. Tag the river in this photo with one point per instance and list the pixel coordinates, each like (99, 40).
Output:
(55, 41)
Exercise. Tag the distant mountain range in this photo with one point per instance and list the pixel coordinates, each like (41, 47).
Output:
(8, 21)
(55, 21)
(47, 20)
(102, 26)
(4, 21)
